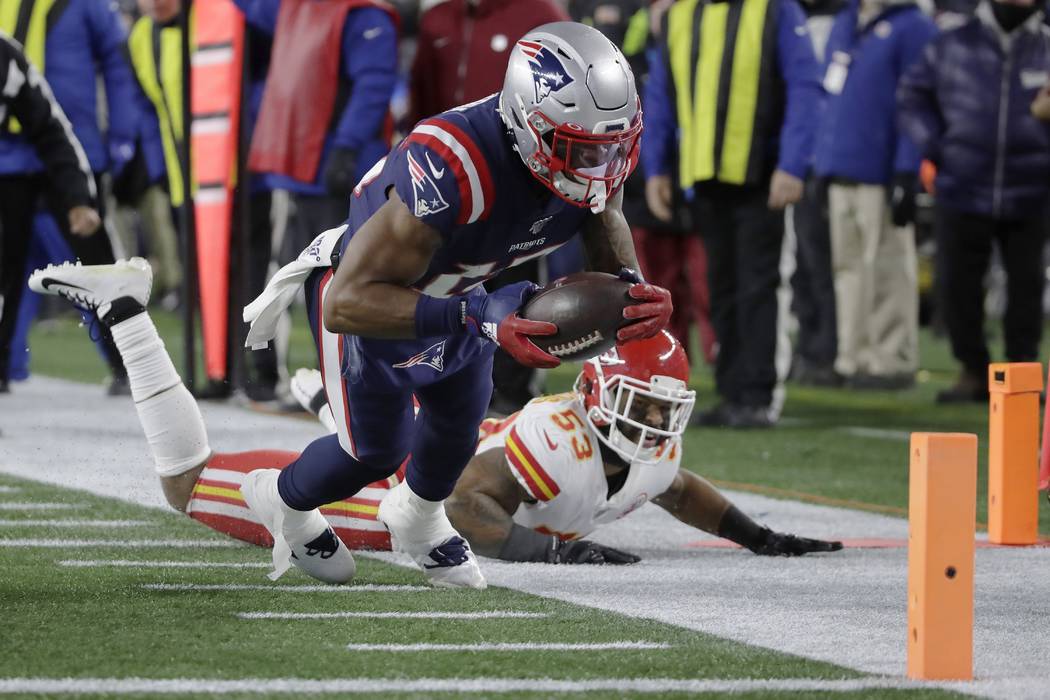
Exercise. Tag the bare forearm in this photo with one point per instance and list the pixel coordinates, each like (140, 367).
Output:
(373, 310)
(481, 520)
(696, 502)
(608, 244)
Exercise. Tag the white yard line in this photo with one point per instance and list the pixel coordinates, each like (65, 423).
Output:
(73, 523)
(9, 489)
(89, 563)
(364, 588)
(392, 615)
(34, 505)
(511, 646)
(375, 686)
(133, 544)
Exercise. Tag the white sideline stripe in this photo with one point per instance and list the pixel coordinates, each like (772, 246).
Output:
(483, 615)
(134, 544)
(73, 523)
(40, 506)
(307, 588)
(511, 646)
(9, 489)
(165, 564)
(877, 433)
(309, 686)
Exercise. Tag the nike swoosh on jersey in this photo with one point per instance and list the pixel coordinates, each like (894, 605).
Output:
(438, 174)
(550, 443)
(372, 33)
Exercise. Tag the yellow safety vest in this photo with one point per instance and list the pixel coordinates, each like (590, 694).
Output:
(156, 56)
(722, 61)
(27, 21)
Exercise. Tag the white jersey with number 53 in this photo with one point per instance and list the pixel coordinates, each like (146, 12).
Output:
(554, 454)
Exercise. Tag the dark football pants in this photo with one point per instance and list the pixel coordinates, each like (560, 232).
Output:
(743, 240)
(813, 282)
(380, 428)
(964, 250)
(19, 196)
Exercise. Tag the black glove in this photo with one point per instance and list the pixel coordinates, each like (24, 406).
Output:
(339, 171)
(902, 199)
(586, 552)
(780, 544)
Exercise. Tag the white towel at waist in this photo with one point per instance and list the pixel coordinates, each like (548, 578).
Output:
(264, 312)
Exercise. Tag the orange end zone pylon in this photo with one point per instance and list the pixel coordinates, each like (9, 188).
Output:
(942, 515)
(1013, 452)
(1044, 459)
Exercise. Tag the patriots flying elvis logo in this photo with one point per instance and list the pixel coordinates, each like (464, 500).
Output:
(428, 199)
(548, 74)
(433, 357)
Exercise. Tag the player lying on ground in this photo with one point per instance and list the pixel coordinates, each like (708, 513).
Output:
(403, 315)
(539, 480)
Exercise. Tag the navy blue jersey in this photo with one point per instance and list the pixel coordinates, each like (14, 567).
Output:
(458, 173)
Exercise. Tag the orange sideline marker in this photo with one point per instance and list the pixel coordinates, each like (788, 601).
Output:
(942, 515)
(1013, 452)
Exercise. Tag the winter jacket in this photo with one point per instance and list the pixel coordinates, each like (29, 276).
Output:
(858, 139)
(27, 98)
(788, 148)
(966, 103)
(87, 38)
(369, 66)
(463, 49)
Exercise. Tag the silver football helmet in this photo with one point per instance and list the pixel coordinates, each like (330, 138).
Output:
(570, 101)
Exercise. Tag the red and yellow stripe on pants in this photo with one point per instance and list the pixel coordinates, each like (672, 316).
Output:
(217, 502)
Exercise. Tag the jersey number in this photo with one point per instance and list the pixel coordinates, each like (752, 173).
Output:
(568, 421)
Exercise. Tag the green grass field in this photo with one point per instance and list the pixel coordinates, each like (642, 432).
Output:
(114, 622)
(63, 620)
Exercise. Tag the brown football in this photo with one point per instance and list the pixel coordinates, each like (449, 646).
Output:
(587, 308)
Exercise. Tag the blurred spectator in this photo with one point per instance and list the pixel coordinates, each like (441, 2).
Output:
(743, 130)
(813, 299)
(463, 47)
(324, 118)
(73, 44)
(671, 255)
(966, 104)
(873, 171)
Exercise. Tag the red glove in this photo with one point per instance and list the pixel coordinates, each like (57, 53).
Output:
(649, 317)
(512, 335)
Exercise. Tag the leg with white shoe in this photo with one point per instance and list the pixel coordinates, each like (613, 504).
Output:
(195, 481)
(445, 440)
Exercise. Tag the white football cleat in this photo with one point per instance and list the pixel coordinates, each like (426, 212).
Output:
(307, 387)
(96, 287)
(301, 538)
(421, 530)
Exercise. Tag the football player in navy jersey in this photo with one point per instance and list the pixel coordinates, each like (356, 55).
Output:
(465, 195)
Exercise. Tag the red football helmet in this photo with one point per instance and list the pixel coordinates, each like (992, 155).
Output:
(610, 385)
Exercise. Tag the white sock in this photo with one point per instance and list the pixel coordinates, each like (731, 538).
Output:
(168, 413)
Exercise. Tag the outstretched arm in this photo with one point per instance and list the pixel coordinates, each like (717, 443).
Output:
(481, 509)
(695, 501)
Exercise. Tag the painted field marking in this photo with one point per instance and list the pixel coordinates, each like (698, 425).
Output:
(395, 615)
(73, 523)
(511, 646)
(10, 489)
(877, 433)
(165, 564)
(133, 544)
(375, 686)
(40, 505)
(363, 588)
(865, 543)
